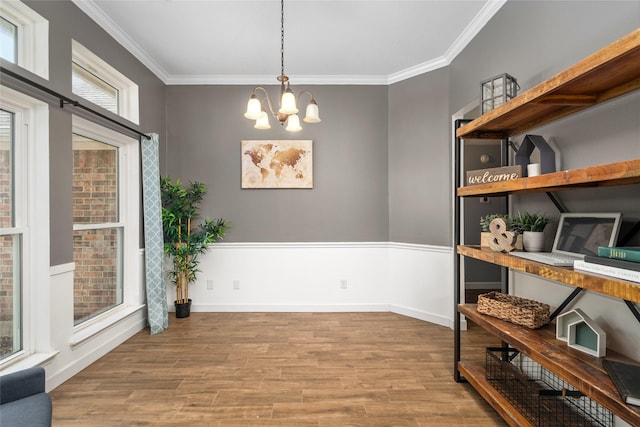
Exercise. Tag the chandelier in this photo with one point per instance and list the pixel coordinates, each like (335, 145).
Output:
(288, 111)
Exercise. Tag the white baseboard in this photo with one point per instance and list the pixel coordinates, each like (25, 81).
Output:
(248, 308)
(421, 315)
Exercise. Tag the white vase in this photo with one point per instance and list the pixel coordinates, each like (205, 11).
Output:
(533, 241)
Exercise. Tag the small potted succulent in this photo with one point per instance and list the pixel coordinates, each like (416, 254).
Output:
(531, 226)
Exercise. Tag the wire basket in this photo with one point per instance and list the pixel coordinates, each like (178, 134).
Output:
(541, 396)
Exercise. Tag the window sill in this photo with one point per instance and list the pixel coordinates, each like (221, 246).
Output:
(95, 326)
(35, 359)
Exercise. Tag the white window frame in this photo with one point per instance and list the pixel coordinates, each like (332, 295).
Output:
(32, 219)
(129, 218)
(33, 36)
(128, 102)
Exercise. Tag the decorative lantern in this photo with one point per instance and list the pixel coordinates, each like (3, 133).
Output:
(497, 90)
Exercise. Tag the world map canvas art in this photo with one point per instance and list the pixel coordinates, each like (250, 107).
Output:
(277, 164)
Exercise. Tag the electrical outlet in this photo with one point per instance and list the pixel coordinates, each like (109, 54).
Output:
(209, 284)
(343, 284)
(236, 285)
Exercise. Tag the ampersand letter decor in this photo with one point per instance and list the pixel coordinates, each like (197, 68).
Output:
(501, 240)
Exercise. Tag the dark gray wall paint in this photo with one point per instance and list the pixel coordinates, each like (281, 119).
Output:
(419, 160)
(349, 199)
(67, 22)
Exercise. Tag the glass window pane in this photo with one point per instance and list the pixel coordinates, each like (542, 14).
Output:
(8, 41)
(10, 296)
(97, 283)
(89, 86)
(95, 181)
(6, 170)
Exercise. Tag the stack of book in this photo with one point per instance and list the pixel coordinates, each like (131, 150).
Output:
(619, 262)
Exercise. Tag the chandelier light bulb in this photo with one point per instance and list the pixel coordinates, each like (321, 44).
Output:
(288, 103)
(254, 108)
(262, 122)
(293, 123)
(312, 115)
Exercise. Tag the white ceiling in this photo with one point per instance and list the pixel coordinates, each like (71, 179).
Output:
(326, 41)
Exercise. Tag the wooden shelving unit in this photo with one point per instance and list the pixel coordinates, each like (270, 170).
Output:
(605, 285)
(610, 72)
(612, 174)
(577, 368)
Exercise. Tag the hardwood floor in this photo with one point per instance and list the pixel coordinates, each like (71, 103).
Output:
(279, 369)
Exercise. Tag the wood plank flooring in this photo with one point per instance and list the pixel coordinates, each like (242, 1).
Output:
(279, 369)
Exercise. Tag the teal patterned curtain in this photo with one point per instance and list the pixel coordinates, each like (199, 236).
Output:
(157, 312)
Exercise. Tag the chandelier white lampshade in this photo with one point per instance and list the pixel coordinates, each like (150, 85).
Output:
(293, 123)
(288, 110)
(288, 103)
(262, 122)
(312, 115)
(254, 108)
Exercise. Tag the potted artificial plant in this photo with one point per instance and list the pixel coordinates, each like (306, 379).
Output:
(531, 226)
(184, 240)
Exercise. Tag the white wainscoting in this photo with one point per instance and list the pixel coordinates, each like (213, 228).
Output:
(409, 279)
(77, 348)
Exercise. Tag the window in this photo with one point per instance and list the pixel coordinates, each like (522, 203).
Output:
(10, 243)
(97, 232)
(24, 224)
(24, 37)
(105, 232)
(96, 90)
(98, 82)
(8, 41)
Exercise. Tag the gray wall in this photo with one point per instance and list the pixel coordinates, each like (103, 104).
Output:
(419, 160)
(349, 198)
(67, 22)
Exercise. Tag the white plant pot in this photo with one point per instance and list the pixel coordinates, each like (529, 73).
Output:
(533, 241)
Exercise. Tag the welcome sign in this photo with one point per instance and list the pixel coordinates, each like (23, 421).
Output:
(489, 176)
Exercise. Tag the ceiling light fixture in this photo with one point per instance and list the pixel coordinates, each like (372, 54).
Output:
(288, 111)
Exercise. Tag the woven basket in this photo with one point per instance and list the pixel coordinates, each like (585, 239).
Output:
(521, 311)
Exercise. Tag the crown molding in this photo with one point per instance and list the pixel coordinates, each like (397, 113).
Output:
(271, 80)
(477, 23)
(106, 23)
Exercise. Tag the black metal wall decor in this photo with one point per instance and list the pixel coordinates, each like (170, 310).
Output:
(547, 155)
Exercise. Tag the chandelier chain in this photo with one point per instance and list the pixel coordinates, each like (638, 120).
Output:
(282, 37)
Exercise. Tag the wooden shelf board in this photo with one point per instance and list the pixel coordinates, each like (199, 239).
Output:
(605, 285)
(475, 374)
(612, 71)
(610, 174)
(579, 369)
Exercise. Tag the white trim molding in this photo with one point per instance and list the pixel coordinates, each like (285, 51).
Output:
(410, 279)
